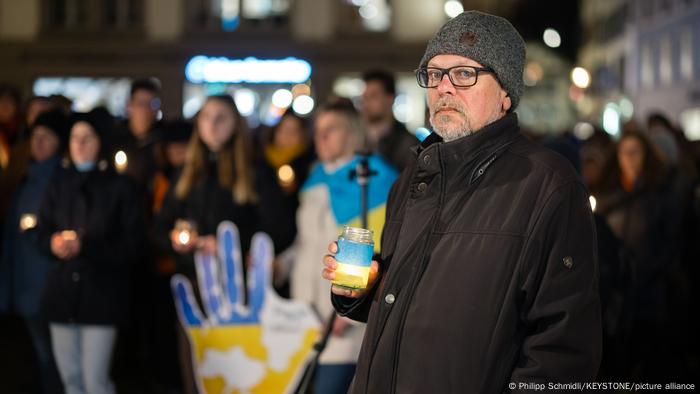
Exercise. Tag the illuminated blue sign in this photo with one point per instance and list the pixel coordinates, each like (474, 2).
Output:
(203, 69)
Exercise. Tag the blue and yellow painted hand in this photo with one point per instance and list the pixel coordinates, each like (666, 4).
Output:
(261, 346)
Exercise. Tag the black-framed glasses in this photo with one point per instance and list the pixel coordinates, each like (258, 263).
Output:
(460, 76)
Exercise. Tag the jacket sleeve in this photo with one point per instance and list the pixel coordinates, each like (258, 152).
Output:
(559, 302)
(164, 221)
(46, 224)
(125, 244)
(358, 308)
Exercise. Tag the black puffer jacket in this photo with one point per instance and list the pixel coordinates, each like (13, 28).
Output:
(105, 211)
(489, 272)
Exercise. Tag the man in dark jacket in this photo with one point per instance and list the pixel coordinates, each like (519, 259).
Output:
(487, 280)
(137, 136)
(386, 136)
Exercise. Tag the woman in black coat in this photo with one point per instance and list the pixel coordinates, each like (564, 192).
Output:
(282, 165)
(633, 196)
(216, 185)
(91, 222)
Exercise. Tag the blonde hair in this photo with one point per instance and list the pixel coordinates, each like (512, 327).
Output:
(234, 162)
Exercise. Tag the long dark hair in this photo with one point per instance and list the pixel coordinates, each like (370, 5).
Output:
(653, 167)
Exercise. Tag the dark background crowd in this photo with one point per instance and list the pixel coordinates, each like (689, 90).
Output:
(92, 204)
(124, 197)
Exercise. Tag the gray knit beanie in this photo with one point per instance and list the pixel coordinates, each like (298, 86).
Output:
(487, 39)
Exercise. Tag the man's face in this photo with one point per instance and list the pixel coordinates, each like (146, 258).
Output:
(458, 112)
(142, 110)
(376, 102)
(332, 137)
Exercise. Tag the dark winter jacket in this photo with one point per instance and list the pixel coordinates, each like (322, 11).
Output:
(395, 146)
(141, 160)
(24, 267)
(646, 222)
(489, 272)
(207, 204)
(278, 205)
(106, 213)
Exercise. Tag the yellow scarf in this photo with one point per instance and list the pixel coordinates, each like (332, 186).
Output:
(278, 157)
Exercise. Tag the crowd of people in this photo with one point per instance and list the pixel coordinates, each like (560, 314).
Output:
(90, 206)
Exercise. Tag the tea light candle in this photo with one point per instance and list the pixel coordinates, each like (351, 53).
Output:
(27, 221)
(285, 174)
(120, 161)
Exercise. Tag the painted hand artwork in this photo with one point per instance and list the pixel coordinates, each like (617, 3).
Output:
(261, 346)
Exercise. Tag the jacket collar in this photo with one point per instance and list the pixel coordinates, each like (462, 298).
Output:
(477, 150)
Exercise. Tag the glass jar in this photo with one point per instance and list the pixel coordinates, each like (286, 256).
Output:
(354, 256)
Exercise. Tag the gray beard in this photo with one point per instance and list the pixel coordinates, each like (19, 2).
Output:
(451, 135)
(464, 131)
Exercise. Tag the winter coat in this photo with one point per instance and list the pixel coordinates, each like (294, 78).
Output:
(24, 267)
(106, 213)
(394, 146)
(206, 205)
(278, 205)
(646, 222)
(488, 274)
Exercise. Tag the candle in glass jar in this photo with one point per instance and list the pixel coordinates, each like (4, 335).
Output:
(355, 249)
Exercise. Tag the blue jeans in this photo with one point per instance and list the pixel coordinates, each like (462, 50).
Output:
(333, 378)
(83, 354)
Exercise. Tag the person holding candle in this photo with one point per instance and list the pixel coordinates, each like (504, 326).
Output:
(91, 224)
(216, 184)
(330, 199)
(488, 275)
(282, 165)
(23, 267)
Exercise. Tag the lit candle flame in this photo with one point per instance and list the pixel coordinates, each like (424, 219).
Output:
(286, 174)
(183, 237)
(69, 235)
(120, 161)
(27, 221)
(593, 202)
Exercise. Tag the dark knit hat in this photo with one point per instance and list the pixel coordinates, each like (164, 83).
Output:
(102, 123)
(487, 39)
(99, 119)
(56, 121)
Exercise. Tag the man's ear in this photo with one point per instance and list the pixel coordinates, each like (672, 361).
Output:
(505, 106)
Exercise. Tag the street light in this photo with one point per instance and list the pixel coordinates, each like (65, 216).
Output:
(580, 77)
(551, 38)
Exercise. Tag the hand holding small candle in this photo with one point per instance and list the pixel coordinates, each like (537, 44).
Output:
(183, 237)
(330, 273)
(27, 222)
(65, 244)
(120, 161)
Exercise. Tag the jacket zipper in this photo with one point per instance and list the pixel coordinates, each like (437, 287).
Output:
(415, 279)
